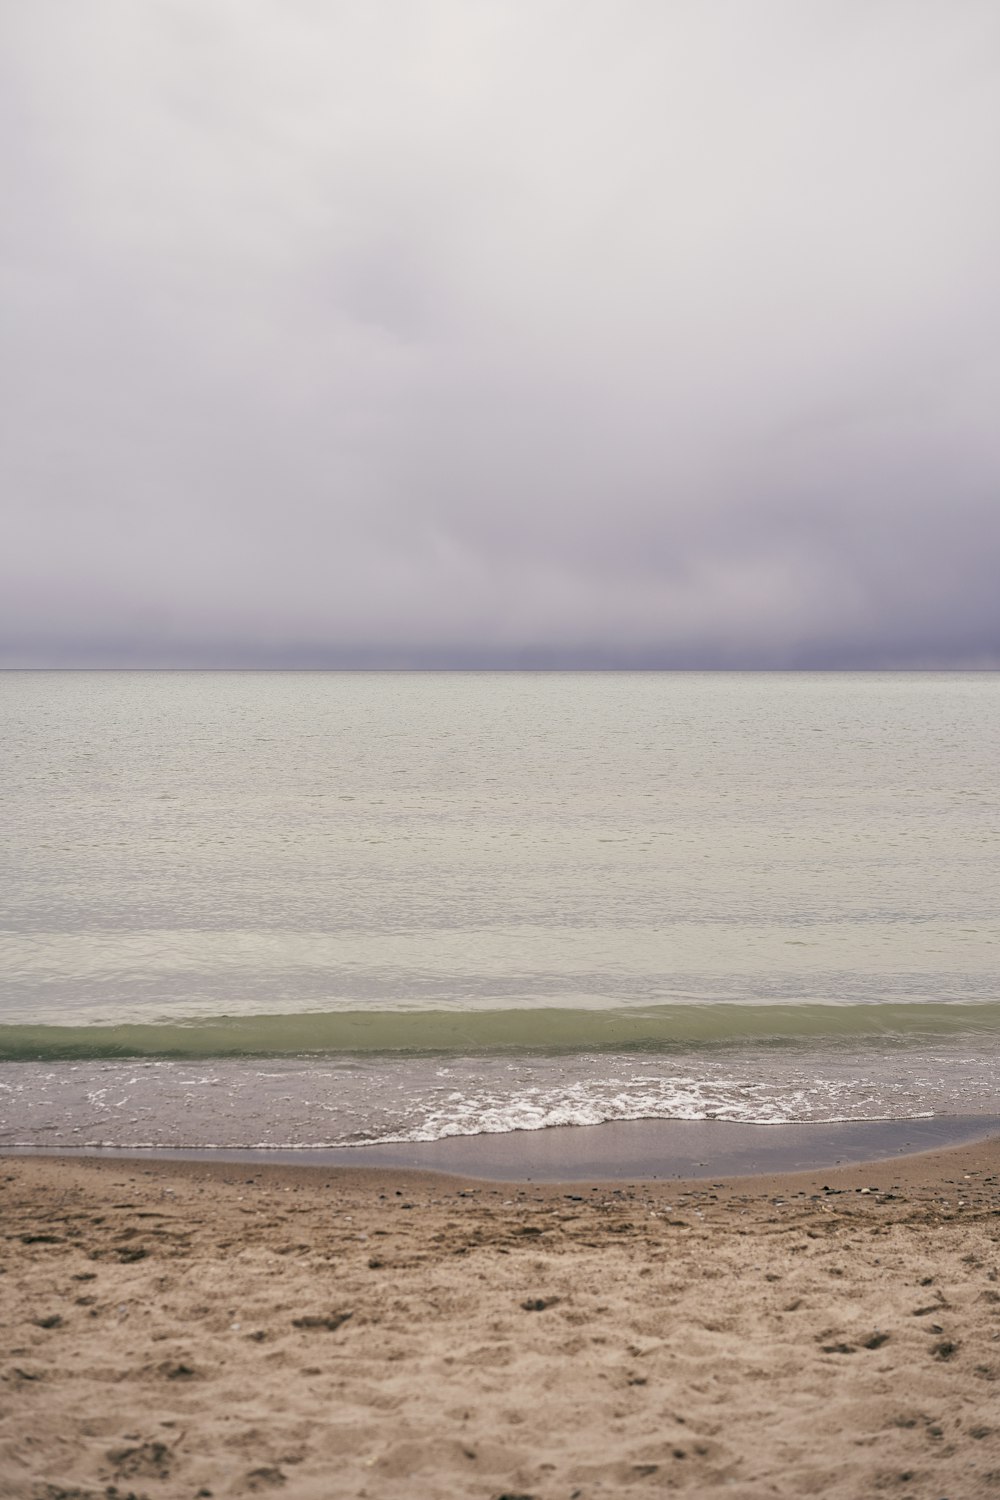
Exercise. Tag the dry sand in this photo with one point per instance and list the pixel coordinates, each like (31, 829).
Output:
(190, 1330)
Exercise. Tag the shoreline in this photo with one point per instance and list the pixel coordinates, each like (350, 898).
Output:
(635, 1150)
(926, 1173)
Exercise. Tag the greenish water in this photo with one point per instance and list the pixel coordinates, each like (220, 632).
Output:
(450, 1033)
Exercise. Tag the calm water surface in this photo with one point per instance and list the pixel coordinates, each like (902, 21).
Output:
(242, 908)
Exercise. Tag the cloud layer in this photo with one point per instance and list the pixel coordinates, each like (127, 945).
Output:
(459, 332)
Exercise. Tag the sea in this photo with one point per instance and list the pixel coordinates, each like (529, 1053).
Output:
(298, 910)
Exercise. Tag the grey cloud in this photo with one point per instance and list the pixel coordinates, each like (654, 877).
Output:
(469, 333)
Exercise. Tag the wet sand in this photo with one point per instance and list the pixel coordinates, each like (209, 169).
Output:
(220, 1329)
(646, 1149)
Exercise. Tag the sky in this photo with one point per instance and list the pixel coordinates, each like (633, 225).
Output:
(515, 333)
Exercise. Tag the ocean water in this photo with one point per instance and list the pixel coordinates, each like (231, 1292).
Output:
(327, 909)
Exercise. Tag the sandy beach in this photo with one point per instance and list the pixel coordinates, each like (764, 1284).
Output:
(184, 1329)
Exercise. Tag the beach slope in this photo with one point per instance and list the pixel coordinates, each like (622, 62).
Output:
(175, 1329)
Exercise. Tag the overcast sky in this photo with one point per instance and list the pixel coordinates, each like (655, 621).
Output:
(524, 332)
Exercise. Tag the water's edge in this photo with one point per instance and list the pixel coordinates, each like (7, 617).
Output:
(615, 1151)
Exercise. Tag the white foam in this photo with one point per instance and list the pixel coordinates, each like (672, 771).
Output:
(300, 1103)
